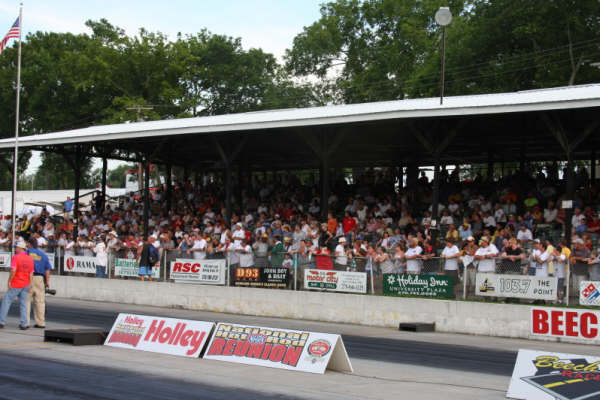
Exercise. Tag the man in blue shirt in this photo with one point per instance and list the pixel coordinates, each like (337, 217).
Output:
(41, 280)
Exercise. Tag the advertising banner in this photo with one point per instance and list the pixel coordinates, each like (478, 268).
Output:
(4, 260)
(179, 337)
(278, 348)
(51, 259)
(86, 265)
(518, 286)
(129, 267)
(545, 375)
(335, 281)
(208, 272)
(267, 277)
(418, 285)
(561, 323)
(589, 295)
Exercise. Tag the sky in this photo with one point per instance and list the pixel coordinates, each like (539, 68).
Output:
(267, 24)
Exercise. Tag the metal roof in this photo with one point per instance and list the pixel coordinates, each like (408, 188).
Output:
(560, 98)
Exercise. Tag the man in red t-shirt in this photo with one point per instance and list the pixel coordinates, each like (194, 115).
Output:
(21, 272)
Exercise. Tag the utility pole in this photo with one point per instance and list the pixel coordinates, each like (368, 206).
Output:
(138, 113)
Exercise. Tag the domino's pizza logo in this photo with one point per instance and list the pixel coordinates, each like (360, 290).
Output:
(590, 293)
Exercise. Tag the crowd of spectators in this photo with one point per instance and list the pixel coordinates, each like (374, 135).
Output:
(509, 223)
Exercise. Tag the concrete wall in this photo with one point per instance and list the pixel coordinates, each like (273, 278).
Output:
(506, 320)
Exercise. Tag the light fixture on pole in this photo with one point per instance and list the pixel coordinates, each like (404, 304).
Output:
(443, 17)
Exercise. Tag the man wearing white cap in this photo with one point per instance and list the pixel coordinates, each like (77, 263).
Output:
(19, 280)
(341, 259)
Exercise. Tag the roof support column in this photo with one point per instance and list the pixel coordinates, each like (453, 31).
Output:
(593, 168)
(146, 216)
(76, 162)
(569, 145)
(324, 175)
(435, 202)
(490, 165)
(104, 169)
(227, 160)
(169, 184)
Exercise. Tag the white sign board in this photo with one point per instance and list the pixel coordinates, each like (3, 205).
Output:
(278, 348)
(80, 264)
(179, 337)
(545, 375)
(129, 267)
(519, 286)
(335, 281)
(566, 323)
(210, 272)
(4, 260)
(589, 293)
(51, 259)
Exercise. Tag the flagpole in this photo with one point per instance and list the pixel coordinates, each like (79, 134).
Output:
(16, 156)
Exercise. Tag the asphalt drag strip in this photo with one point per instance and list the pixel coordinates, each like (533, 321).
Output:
(28, 377)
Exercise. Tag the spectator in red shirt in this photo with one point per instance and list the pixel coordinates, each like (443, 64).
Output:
(348, 223)
(323, 258)
(21, 272)
(593, 227)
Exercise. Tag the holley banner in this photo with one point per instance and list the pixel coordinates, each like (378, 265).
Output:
(129, 267)
(418, 285)
(179, 337)
(278, 348)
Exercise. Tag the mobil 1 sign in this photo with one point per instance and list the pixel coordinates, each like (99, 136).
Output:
(519, 286)
(178, 337)
(278, 348)
(546, 375)
(86, 265)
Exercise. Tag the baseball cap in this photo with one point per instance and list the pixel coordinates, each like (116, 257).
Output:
(21, 244)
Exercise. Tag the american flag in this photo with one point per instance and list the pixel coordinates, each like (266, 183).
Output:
(14, 32)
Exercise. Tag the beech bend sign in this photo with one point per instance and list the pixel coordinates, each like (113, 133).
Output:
(277, 348)
(567, 323)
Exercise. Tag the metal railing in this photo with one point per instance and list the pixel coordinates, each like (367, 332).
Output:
(325, 272)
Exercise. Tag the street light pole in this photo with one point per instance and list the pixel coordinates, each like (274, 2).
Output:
(443, 17)
(442, 83)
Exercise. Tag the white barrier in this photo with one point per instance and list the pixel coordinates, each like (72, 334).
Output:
(479, 318)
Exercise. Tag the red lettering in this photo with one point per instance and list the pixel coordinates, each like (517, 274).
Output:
(186, 267)
(165, 334)
(277, 353)
(292, 355)
(216, 348)
(539, 323)
(177, 267)
(241, 348)
(154, 329)
(585, 321)
(186, 337)
(255, 350)
(181, 330)
(567, 373)
(229, 347)
(557, 322)
(175, 332)
(196, 341)
(196, 268)
(266, 351)
(571, 323)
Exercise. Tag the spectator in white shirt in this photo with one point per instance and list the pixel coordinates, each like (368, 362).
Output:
(412, 255)
(486, 255)
(524, 234)
(450, 254)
